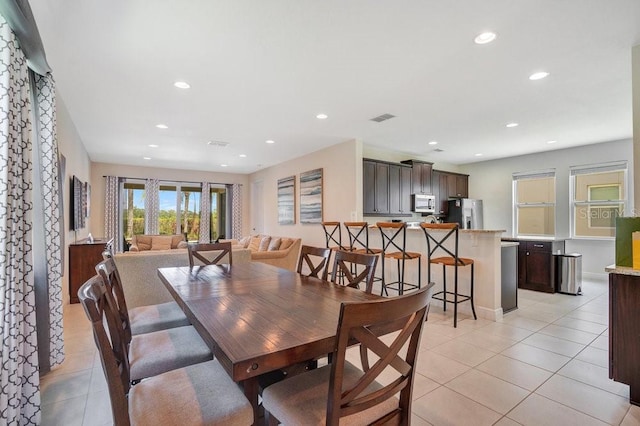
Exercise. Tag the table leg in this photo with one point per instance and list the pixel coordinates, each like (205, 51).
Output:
(250, 387)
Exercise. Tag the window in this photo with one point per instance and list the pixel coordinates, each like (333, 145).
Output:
(598, 195)
(133, 209)
(218, 222)
(534, 197)
(180, 210)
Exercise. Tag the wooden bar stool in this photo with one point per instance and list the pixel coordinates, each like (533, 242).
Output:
(394, 237)
(435, 242)
(333, 235)
(358, 233)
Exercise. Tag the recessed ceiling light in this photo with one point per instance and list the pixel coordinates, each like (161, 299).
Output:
(162, 126)
(182, 85)
(322, 116)
(223, 165)
(146, 158)
(538, 75)
(485, 38)
(270, 141)
(433, 143)
(512, 125)
(242, 155)
(478, 155)
(153, 145)
(552, 141)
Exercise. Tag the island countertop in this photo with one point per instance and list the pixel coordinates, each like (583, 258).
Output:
(624, 270)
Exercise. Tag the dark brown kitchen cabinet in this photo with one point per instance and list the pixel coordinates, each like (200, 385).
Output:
(399, 189)
(421, 172)
(536, 267)
(624, 329)
(449, 185)
(83, 258)
(375, 178)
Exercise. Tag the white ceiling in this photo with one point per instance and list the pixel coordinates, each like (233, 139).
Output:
(263, 69)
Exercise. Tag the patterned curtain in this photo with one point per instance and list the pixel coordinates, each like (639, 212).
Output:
(236, 210)
(111, 212)
(19, 378)
(151, 206)
(45, 100)
(205, 213)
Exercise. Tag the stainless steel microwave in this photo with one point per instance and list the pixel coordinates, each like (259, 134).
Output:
(422, 203)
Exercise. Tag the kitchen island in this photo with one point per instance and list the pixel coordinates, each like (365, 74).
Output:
(482, 245)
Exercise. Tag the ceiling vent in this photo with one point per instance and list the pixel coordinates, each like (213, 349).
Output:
(438, 150)
(383, 117)
(218, 144)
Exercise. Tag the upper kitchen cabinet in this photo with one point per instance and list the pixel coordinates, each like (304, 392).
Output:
(449, 185)
(421, 176)
(399, 189)
(386, 188)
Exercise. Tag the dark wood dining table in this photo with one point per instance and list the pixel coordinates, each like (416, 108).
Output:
(258, 318)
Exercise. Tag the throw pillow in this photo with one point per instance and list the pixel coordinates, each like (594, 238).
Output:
(274, 244)
(254, 245)
(175, 240)
(244, 242)
(182, 245)
(286, 243)
(264, 243)
(161, 242)
(143, 242)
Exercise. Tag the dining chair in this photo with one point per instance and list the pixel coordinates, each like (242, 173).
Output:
(344, 393)
(345, 269)
(199, 394)
(142, 319)
(436, 242)
(216, 252)
(315, 260)
(156, 352)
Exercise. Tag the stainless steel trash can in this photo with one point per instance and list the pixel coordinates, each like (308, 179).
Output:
(568, 273)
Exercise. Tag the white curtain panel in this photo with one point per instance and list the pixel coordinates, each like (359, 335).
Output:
(205, 213)
(151, 206)
(236, 210)
(45, 98)
(111, 211)
(19, 379)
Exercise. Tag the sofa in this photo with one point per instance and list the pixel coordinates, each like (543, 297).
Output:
(139, 273)
(157, 242)
(277, 251)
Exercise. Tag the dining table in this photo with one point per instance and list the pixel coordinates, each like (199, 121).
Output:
(257, 318)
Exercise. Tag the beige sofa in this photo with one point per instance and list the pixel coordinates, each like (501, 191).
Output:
(277, 251)
(139, 273)
(157, 242)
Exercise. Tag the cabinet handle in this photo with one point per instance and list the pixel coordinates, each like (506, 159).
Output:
(538, 245)
(527, 253)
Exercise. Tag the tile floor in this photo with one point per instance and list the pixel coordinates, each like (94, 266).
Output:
(545, 363)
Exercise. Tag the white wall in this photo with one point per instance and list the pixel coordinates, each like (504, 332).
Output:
(76, 163)
(491, 181)
(342, 190)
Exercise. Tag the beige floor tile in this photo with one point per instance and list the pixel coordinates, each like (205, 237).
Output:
(430, 339)
(587, 399)
(80, 343)
(593, 375)
(487, 340)
(64, 386)
(570, 334)
(507, 331)
(537, 357)
(513, 371)
(554, 344)
(75, 362)
(488, 390)
(632, 418)
(578, 324)
(98, 409)
(524, 322)
(506, 421)
(536, 410)
(463, 352)
(594, 356)
(447, 329)
(68, 412)
(419, 421)
(446, 407)
(439, 368)
(98, 382)
(602, 342)
(602, 319)
(422, 385)
(536, 313)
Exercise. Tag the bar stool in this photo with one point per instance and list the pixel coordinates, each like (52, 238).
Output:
(437, 242)
(394, 237)
(333, 235)
(358, 233)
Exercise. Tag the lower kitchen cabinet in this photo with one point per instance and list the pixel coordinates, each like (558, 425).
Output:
(536, 268)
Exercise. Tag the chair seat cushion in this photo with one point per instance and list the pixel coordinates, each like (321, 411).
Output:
(407, 255)
(450, 261)
(147, 319)
(161, 351)
(201, 394)
(302, 399)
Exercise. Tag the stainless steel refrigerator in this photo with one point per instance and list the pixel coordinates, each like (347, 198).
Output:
(467, 212)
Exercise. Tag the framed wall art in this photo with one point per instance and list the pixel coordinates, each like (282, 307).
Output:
(287, 200)
(311, 196)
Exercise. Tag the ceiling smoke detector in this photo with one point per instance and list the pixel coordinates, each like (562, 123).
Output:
(220, 144)
(383, 117)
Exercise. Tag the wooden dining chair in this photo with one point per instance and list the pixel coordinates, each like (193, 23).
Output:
(156, 352)
(345, 271)
(142, 319)
(315, 260)
(215, 253)
(342, 390)
(195, 395)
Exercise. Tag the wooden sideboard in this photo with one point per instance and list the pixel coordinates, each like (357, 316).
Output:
(83, 258)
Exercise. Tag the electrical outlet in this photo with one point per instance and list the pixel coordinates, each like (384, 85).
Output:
(354, 216)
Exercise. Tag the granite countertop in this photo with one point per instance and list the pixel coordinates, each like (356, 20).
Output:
(470, 231)
(509, 244)
(624, 270)
(516, 239)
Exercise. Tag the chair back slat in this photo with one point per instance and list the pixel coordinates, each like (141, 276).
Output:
(358, 236)
(394, 236)
(333, 234)
(342, 272)
(316, 260)
(98, 303)
(220, 249)
(436, 241)
(363, 322)
(109, 272)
